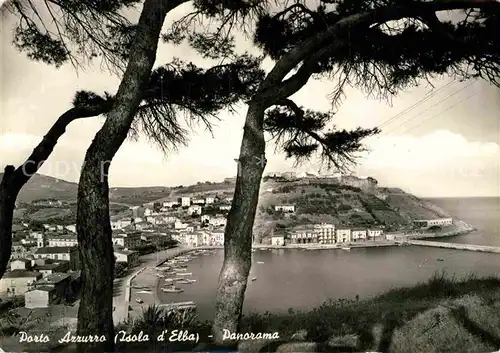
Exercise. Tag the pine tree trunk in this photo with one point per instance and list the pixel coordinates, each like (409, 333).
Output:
(7, 205)
(13, 179)
(238, 234)
(95, 315)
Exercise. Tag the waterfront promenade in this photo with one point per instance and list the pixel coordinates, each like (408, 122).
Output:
(123, 286)
(458, 246)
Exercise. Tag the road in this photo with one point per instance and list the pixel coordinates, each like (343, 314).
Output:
(122, 285)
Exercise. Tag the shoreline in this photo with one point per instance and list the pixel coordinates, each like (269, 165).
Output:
(465, 229)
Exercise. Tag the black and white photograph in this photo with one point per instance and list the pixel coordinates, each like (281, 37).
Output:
(250, 176)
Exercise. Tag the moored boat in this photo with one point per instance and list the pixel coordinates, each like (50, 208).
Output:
(190, 305)
(172, 289)
(184, 273)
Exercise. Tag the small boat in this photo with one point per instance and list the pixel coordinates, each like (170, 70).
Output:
(145, 292)
(178, 306)
(172, 289)
(176, 267)
(440, 259)
(254, 250)
(260, 262)
(184, 273)
(254, 279)
(169, 280)
(186, 281)
(139, 300)
(346, 248)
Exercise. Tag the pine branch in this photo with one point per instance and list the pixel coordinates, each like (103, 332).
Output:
(298, 133)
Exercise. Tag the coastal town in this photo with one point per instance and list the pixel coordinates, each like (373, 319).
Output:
(44, 267)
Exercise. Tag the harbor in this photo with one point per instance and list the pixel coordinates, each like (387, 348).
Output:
(457, 246)
(169, 277)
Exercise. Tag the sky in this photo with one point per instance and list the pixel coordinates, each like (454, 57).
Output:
(446, 146)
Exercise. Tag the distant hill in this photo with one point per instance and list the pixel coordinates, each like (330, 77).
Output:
(46, 187)
(315, 201)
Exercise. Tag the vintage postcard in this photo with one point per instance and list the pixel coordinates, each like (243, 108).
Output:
(250, 176)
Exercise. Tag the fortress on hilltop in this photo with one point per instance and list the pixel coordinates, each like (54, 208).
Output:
(367, 184)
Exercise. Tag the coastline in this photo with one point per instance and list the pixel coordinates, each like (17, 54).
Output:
(460, 229)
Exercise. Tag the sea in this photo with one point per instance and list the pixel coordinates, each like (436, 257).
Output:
(304, 279)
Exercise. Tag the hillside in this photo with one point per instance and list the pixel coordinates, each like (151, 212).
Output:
(317, 202)
(45, 187)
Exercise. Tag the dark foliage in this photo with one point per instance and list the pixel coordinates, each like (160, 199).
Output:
(58, 31)
(383, 56)
(376, 54)
(181, 87)
(298, 133)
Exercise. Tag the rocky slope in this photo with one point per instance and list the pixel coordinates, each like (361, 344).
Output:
(317, 202)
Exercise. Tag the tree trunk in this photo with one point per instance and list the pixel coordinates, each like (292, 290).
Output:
(7, 205)
(14, 179)
(238, 234)
(95, 315)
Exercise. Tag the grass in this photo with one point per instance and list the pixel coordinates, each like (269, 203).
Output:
(446, 314)
(379, 323)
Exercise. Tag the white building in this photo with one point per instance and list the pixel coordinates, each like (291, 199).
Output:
(20, 264)
(326, 233)
(205, 239)
(199, 201)
(193, 239)
(343, 235)
(358, 234)
(194, 210)
(277, 240)
(217, 238)
(127, 240)
(209, 200)
(375, 233)
(143, 225)
(303, 234)
(170, 204)
(161, 219)
(218, 221)
(427, 223)
(120, 224)
(284, 208)
(180, 237)
(71, 228)
(180, 225)
(148, 212)
(205, 218)
(55, 253)
(185, 201)
(129, 257)
(64, 240)
(225, 207)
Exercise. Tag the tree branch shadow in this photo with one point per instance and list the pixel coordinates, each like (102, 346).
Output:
(460, 314)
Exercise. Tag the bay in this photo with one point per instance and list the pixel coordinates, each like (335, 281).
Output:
(300, 279)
